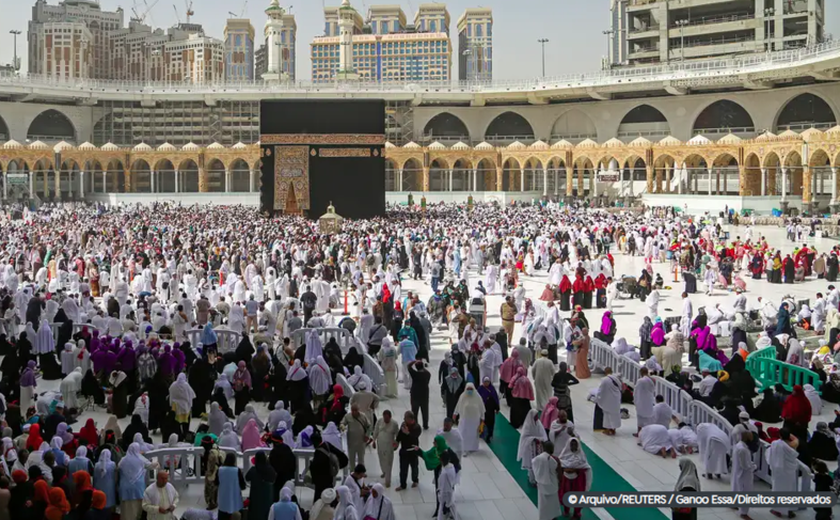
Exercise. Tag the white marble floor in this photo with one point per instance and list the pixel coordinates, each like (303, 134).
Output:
(487, 490)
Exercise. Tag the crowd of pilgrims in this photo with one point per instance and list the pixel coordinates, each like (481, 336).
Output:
(139, 278)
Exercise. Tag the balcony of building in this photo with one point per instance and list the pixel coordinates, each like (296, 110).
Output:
(714, 25)
(715, 45)
(643, 50)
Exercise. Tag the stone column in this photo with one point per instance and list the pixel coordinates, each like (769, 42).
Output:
(152, 178)
(425, 178)
(399, 185)
(594, 184)
(500, 175)
(451, 174)
(82, 184)
(127, 178)
(742, 180)
(545, 181)
(679, 174)
(833, 205)
(521, 179)
(57, 184)
(5, 185)
(475, 179)
(104, 181)
(556, 180)
(710, 180)
(203, 181)
(227, 180)
(763, 181)
(807, 187)
(252, 183)
(177, 181)
(649, 177)
(668, 178)
(784, 183)
(570, 171)
(31, 184)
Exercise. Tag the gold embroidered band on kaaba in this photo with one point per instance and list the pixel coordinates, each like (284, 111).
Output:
(324, 139)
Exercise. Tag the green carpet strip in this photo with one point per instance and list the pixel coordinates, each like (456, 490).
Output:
(506, 443)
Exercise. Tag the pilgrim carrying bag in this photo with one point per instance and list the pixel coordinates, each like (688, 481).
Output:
(368, 517)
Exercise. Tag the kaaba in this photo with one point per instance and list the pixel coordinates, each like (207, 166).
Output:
(319, 152)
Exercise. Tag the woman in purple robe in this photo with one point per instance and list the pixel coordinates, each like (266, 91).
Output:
(167, 364)
(97, 357)
(27, 386)
(127, 358)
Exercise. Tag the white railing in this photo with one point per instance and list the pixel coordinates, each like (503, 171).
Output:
(184, 463)
(228, 340)
(697, 412)
(342, 337)
(734, 66)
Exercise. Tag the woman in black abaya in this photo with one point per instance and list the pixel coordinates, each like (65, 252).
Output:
(202, 377)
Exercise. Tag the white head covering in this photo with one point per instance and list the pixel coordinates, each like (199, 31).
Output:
(620, 346)
(570, 459)
(134, 464)
(332, 435)
(345, 508)
(101, 469)
(313, 346)
(228, 439)
(688, 476)
(181, 393)
(320, 378)
(296, 372)
(532, 430)
(327, 497)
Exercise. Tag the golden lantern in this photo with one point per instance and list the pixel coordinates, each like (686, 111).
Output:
(330, 222)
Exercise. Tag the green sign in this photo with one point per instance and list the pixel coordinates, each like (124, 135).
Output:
(19, 179)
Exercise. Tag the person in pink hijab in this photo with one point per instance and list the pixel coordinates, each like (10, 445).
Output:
(522, 393)
(507, 372)
(550, 413)
(251, 436)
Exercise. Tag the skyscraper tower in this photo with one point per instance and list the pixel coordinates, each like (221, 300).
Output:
(346, 20)
(273, 31)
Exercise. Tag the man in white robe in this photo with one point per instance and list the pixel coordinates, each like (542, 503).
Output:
(743, 470)
(644, 398)
(714, 446)
(818, 315)
(784, 464)
(160, 496)
(654, 438)
(548, 485)
(543, 372)
(652, 303)
(70, 388)
(562, 429)
(452, 436)
(609, 401)
(706, 384)
(662, 412)
(687, 313)
(490, 276)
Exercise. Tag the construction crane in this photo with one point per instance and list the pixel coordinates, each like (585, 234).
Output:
(241, 14)
(140, 15)
(190, 12)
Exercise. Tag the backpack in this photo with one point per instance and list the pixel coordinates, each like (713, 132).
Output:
(335, 467)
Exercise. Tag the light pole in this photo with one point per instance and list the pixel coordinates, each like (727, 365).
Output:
(768, 13)
(15, 63)
(543, 41)
(609, 61)
(681, 24)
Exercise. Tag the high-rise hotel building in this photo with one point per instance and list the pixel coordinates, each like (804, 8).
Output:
(475, 45)
(386, 48)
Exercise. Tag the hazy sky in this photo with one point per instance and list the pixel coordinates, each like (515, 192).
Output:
(573, 27)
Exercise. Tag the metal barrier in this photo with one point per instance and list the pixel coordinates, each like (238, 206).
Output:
(228, 340)
(184, 464)
(769, 371)
(696, 412)
(677, 399)
(342, 337)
